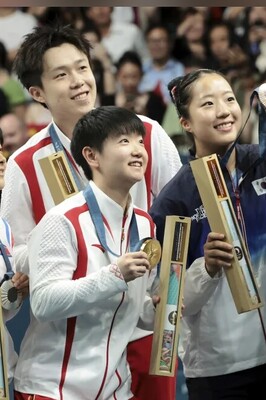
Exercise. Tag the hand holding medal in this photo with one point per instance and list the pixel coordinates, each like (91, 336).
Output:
(135, 264)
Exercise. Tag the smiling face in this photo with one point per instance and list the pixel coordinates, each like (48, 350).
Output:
(121, 163)
(68, 85)
(214, 115)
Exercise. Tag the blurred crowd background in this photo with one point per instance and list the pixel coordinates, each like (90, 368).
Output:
(136, 52)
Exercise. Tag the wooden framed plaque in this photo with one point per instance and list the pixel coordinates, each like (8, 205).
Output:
(58, 176)
(171, 282)
(4, 390)
(221, 216)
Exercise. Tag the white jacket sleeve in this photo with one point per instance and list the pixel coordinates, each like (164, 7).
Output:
(53, 261)
(16, 208)
(165, 159)
(199, 287)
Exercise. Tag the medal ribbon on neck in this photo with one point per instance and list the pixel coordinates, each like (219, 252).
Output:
(59, 147)
(97, 219)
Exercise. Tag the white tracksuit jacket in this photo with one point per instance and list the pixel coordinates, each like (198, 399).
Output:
(84, 313)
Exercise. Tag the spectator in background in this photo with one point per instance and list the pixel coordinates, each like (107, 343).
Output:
(141, 16)
(225, 53)
(160, 67)
(51, 15)
(43, 15)
(37, 117)
(4, 104)
(129, 74)
(12, 88)
(102, 65)
(255, 35)
(15, 133)
(117, 37)
(14, 24)
(190, 31)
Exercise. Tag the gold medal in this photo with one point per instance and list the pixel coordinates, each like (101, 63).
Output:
(153, 250)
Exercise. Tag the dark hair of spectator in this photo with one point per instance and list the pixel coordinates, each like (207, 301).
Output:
(129, 57)
(90, 26)
(221, 24)
(3, 56)
(4, 104)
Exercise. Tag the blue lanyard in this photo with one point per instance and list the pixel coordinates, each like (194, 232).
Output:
(262, 124)
(9, 272)
(97, 219)
(59, 147)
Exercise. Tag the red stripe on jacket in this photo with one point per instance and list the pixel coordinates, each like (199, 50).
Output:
(148, 217)
(81, 271)
(26, 164)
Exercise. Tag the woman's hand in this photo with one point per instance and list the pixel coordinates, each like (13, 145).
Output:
(217, 253)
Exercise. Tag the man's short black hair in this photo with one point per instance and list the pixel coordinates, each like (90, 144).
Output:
(28, 63)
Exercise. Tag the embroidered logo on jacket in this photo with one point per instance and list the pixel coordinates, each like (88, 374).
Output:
(260, 186)
(200, 214)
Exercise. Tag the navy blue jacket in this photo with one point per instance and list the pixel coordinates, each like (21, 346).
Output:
(181, 197)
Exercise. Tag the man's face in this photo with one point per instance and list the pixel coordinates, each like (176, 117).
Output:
(158, 44)
(68, 84)
(14, 132)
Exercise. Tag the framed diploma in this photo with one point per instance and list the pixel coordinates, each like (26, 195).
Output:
(4, 391)
(58, 176)
(221, 216)
(171, 282)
